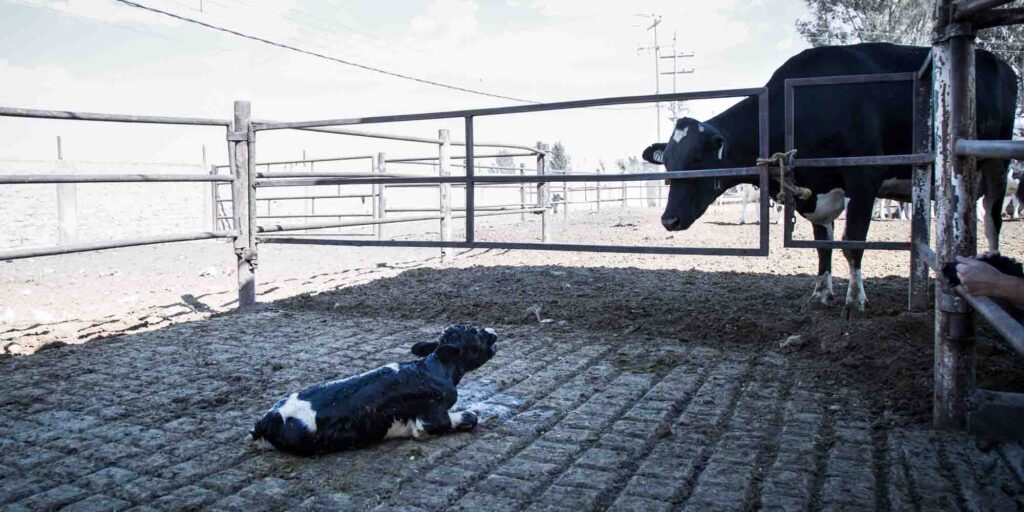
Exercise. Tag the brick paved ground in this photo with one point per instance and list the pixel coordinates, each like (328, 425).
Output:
(573, 421)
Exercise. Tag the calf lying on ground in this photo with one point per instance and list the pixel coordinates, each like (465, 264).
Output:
(394, 401)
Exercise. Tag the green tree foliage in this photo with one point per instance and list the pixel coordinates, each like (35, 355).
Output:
(559, 159)
(836, 22)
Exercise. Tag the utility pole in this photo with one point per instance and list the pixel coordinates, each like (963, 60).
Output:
(656, 20)
(675, 72)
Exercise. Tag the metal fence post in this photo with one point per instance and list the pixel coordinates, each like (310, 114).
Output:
(598, 187)
(954, 82)
(921, 223)
(544, 196)
(522, 192)
(382, 203)
(445, 189)
(624, 192)
(243, 202)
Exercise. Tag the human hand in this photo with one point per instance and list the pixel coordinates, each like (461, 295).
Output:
(978, 278)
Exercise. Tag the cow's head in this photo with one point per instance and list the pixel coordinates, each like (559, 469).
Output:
(694, 145)
(467, 348)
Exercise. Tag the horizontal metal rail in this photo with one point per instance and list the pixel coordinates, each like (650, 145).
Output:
(20, 179)
(518, 109)
(705, 173)
(328, 174)
(110, 118)
(112, 244)
(304, 198)
(1003, 149)
(1010, 329)
(308, 161)
(425, 140)
(428, 159)
(849, 244)
(312, 216)
(274, 228)
(849, 161)
(626, 249)
(494, 213)
(964, 9)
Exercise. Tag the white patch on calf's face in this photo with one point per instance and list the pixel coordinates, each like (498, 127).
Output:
(827, 208)
(678, 135)
(301, 410)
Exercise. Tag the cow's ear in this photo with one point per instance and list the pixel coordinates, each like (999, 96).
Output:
(655, 153)
(448, 353)
(718, 143)
(424, 348)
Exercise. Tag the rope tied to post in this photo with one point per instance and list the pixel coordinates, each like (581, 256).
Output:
(787, 185)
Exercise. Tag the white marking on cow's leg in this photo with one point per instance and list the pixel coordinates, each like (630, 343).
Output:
(855, 296)
(990, 225)
(823, 291)
(299, 409)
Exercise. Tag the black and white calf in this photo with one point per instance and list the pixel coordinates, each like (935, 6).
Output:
(398, 400)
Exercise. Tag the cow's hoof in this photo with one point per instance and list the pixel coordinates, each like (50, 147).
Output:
(821, 300)
(852, 311)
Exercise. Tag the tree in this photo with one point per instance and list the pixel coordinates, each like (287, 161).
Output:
(834, 22)
(505, 163)
(560, 160)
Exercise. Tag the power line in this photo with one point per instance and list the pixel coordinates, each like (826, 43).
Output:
(323, 56)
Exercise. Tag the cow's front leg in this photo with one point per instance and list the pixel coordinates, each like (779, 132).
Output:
(858, 219)
(823, 293)
(993, 176)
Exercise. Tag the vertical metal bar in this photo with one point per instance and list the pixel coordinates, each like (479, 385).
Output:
(470, 186)
(374, 200)
(544, 196)
(215, 200)
(382, 195)
(763, 150)
(239, 160)
(623, 191)
(522, 192)
(598, 187)
(67, 204)
(953, 79)
(789, 220)
(921, 224)
(445, 189)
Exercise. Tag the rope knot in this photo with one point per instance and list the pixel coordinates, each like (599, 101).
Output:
(786, 183)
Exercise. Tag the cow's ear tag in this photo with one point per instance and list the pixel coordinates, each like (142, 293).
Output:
(448, 353)
(424, 348)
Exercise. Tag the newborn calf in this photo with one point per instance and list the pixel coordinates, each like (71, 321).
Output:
(394, 401)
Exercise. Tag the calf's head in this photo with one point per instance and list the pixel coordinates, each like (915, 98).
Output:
(694, 145)
(464, 347)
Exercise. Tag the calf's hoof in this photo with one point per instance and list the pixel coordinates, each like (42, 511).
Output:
(467, 421)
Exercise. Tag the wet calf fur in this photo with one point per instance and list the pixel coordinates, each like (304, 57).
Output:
(397, 400)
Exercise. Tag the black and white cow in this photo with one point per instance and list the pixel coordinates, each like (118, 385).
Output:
(834, 121)
(394, 401)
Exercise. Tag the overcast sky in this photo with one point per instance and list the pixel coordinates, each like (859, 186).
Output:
(100, 55)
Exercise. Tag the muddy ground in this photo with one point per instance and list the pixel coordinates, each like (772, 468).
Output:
(748, 303)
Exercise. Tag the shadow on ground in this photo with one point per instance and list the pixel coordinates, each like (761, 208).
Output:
(887, 350)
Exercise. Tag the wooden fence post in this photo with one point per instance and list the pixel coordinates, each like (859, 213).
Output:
(445, 189)
(544, 197)
(243, 202)
(382, 204)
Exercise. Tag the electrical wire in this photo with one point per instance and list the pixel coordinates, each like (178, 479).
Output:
(324, 56)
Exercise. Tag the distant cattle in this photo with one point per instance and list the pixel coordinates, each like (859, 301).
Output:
(394, 401)
(835, 121)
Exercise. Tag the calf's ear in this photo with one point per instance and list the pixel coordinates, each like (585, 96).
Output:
(448, 353)
(424, 348)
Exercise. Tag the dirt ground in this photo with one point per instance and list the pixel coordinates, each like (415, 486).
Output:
(722, 302)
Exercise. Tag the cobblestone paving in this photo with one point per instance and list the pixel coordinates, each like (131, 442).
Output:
(572, 421)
